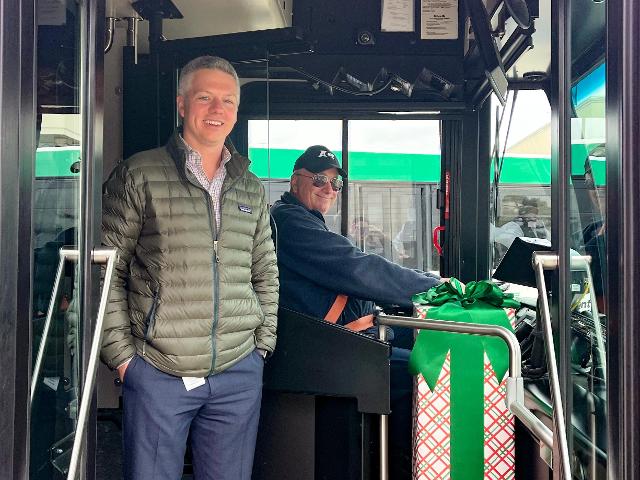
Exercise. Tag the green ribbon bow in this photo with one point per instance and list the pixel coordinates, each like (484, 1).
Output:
(480, 303)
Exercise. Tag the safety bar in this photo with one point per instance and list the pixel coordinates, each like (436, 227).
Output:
(542, 261)
(514, 385)
(100, 256)
(384, 423)
(462, 327)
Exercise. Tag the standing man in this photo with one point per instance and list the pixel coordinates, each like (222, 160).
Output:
(192, 312)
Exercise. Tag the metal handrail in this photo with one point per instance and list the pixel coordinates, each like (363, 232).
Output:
(533, 423)
(462, 327)
(100, 256)
(542, 261)
(514, 385)
(384, 424)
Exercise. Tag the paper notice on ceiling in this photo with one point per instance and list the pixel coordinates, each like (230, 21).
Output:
(397, 16)
(52, 12)
(439, 19)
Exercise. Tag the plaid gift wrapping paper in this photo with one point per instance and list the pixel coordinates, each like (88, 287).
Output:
(432, 424)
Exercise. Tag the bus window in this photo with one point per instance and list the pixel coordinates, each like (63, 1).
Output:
(394, 171)
(274, 146)
(521, 173)
(55, 200)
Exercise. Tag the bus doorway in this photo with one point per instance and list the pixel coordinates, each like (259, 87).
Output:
(409, 111)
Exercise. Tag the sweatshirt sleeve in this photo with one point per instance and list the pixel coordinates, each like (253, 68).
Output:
(331, 260)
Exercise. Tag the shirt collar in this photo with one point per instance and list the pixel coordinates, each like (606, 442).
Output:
(290, 198)
(195, 157)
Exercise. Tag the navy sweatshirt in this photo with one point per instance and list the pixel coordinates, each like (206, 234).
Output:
(316, 264)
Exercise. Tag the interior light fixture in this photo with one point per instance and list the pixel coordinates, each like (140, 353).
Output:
(414, 112)
(433, 81)
(381, 79)
(400, 85)
(359, 84)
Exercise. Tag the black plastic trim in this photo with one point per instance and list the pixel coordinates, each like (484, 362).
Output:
(17, 147)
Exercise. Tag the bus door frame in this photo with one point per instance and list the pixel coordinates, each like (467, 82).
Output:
(17, 104)
(623, 231)
(464, 197)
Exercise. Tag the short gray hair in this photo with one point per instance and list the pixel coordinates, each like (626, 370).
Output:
(205, 62)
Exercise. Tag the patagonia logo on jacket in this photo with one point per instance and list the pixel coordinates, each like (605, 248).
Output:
(244, 208)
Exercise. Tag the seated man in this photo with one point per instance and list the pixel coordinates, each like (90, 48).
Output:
(318, 265)
(324, 275)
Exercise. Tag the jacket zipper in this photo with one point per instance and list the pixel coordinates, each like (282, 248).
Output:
(216, 260)
(214, 263)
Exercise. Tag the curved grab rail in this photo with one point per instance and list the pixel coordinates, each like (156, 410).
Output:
(508, 337)
(99, 256)
(542, 261)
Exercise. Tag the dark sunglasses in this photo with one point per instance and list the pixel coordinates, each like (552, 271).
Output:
(320, 180)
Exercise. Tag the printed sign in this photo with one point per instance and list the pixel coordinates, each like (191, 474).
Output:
(397, 16)
(439, 20)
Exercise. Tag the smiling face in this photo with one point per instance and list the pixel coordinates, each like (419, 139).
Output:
(209, 109)
(314, 198)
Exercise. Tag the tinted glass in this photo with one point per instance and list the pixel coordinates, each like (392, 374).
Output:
(588, 320)
(56, 322)
(521, 171)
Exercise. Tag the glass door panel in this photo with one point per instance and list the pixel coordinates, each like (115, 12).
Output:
(521, 171)
(57, 320)
(587, 198)
(584, 349)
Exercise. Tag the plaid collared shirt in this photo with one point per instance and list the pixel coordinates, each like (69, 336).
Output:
(213, 187)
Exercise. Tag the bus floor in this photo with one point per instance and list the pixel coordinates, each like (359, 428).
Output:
(109, 448)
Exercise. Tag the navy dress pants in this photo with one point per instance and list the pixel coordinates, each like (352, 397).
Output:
(401, 418)
(222, 416)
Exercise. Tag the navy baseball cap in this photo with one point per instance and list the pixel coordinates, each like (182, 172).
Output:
(318, 158)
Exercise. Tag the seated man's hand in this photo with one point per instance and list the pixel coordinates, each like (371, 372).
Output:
(448, 279)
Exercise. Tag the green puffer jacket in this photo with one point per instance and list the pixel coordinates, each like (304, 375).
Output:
(188, 310)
